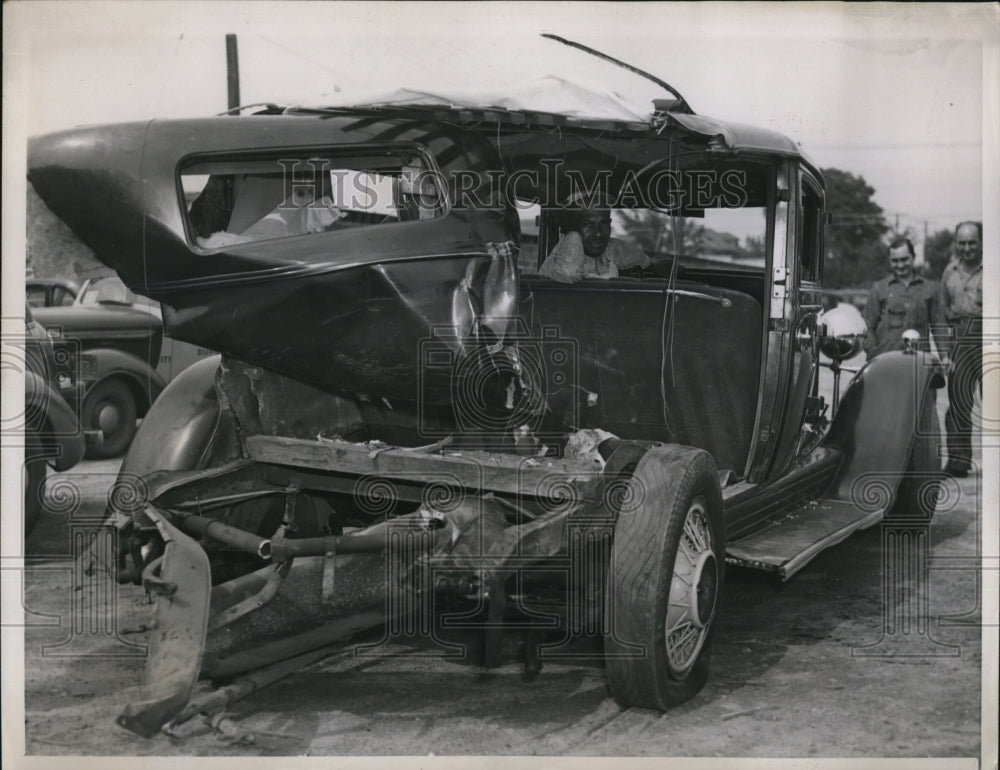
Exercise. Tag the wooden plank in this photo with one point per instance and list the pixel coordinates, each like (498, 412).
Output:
(794, 540)
(509, 474)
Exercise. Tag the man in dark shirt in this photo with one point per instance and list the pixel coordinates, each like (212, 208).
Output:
(962, 289)
(902, 300)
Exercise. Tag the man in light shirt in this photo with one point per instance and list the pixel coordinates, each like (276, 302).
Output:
(586, 249)
(962, 286)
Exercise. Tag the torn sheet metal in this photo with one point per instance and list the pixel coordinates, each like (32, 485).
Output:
(182, 585)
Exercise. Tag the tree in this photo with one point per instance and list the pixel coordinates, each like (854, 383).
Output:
(754, 247)
(53, 250)
(658, 234)
(937, 252)
(855, 245)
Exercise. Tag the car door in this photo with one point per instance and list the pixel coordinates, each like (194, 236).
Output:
(803, 267)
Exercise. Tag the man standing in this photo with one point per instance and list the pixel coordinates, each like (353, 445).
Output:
(902, 300)
(962, 286)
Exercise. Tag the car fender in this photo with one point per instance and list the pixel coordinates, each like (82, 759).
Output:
(175, 435)
(179, 426)
(107, 362)
(877, 419)
(55, 422)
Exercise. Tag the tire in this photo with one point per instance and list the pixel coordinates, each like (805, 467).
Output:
(35, 471)
(110, 406)
(917, 494)
(670, 529)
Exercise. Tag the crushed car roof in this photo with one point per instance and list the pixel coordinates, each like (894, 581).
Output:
(555, 101)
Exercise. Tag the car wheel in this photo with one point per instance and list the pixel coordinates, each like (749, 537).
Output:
(665, 583)
(110, 407)
(33, 478)
(918, 490)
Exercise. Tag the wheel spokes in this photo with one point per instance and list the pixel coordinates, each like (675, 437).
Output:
(684, 635)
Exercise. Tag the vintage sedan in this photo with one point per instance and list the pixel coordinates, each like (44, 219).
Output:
(121, 361)
(51, 292)
(52, 433)
(408, 420)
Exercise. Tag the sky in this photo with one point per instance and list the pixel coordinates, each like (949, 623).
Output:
(893, 93)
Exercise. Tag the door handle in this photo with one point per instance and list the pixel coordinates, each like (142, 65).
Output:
(724, 301)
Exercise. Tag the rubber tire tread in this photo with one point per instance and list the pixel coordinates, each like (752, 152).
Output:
(645, 546)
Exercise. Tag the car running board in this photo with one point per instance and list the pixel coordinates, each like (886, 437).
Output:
(792, 541)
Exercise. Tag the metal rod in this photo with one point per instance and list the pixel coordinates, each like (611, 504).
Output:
(208, 504)
(218, 699)
(836, 386)
(252, 603)
(224, 533)
(287, 548)
(225, 595)
(282, 649)
(682, 106)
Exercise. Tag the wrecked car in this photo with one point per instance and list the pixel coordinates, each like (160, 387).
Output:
(407, 419)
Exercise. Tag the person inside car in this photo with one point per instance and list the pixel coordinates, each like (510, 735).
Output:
(586, 248)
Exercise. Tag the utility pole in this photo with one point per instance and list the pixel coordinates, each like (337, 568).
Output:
(232, 72)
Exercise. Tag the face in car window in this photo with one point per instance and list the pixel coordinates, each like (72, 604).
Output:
(595, 230)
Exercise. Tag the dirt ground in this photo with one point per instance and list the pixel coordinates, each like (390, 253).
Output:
(799, 669)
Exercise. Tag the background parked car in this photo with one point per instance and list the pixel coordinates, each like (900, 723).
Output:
(51, 292)
(52, 432)
(122, 360)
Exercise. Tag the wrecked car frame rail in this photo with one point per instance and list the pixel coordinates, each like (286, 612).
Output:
(474, 470)
(281, 548)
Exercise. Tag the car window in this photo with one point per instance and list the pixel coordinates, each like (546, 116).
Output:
(722, 236)
(35, 296)
(262, 198)
(107, 291)
(62, 297)
(712, 217)
(811, 231)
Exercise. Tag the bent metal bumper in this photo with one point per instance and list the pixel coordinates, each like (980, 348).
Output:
(196, 627)
(182, 584)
